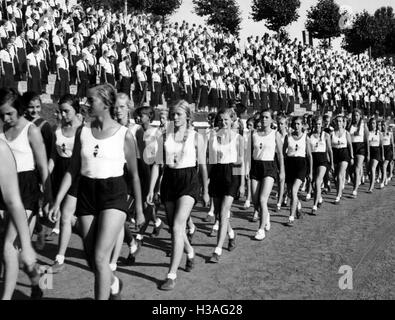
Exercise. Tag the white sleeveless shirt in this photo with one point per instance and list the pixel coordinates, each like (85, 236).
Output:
(264, 147)
(102, 158)
(221, 152)
(296, 148)
(318, 144)
(357, 136)
(21, 149)
(64, 145)
(339, 143)
(387, 139)
(180, 154)
(374, 139)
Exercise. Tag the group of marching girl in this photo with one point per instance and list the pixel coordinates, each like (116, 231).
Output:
(99, 176)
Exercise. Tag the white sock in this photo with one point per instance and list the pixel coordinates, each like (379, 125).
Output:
(191, 255)
(158, 222)
(192, 230)
(59, 258)
(216, 226)
(133, 248)
(113, 266)
(139, 237)
(218, 251)
(55, 230)
(115, 286)
(172, 276)
(231, 234)
(211, 213)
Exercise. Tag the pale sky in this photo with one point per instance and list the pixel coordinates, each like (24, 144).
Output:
(249, 27)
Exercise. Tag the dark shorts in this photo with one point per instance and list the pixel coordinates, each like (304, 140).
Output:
(388, 153)
(144, 171)
(263, 169)
(341, 155)
(225, 180)
(96, 195)
(320, 159)
(375, 153)
(179, 182)
(29, 189)
(295, 168)
(60, 169)
(359, 148)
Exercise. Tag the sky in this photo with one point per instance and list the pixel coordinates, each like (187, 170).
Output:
(251, 28)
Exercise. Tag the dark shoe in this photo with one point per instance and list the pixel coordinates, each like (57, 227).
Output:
(157, 230)
(291, 223)
(36, 293)
(168, 285)
(117, 296)
(190, 264)
(232, 243)
(254, 218)
(130, 260)
(213, 233)
(214, 258)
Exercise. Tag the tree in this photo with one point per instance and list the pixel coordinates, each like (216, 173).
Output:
(383, 28)
(323, 20)
(157, 7)
(359, 37)
(225, 15)
(276, 13)
(163, 8)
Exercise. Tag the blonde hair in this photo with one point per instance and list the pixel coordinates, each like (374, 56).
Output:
(186, 107)
(107, 94)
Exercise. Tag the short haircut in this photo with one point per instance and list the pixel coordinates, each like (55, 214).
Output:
(13, 98)
(29, 96)
(72, 100)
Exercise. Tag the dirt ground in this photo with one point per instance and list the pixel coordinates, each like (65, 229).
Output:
(291, 263)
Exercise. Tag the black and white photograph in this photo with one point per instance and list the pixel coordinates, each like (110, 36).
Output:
(206, 152)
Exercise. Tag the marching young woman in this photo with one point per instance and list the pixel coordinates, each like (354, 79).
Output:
(182, 150)
(320, 145)
(69, 108)
(342, 153)
(226, 153)
(27, 146)
(359, 134)
(10, 196)
(100, 150)
(375, 147)
(250, 128)
(388, 152)
(296, 150)
(282, 128)
(264, 144)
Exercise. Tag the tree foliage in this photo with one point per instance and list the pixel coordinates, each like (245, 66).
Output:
(276, 13)
(323, 20)
(360, 36)
(375, 31)
(224, 15)
(156, 7)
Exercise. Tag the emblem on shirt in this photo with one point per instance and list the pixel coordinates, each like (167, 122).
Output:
(96, 151)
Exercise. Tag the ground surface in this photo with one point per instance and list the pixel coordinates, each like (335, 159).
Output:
(291, 263)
